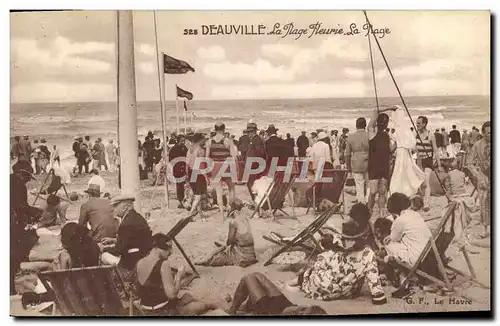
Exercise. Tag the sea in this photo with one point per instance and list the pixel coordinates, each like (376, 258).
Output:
(58, 123)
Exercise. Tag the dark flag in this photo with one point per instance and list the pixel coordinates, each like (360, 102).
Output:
(183, 93)
(185, 106)
(175, 66)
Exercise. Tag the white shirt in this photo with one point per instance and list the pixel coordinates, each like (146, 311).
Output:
(97, 180)
(410, 230)
(320, 151)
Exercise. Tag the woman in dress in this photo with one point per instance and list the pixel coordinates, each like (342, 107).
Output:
(239, 249)
(158, 284)
(340, 272)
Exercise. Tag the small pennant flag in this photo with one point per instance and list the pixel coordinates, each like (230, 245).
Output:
(194, 116)
(185, 106)
(184, 94)
(175, 66)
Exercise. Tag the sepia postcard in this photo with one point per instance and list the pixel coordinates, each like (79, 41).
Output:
(250, 163)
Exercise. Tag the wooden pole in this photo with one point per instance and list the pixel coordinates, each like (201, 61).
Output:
(127, 107)
(163, 96)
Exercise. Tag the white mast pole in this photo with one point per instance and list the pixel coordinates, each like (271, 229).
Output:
(127, 107)
(163, 97)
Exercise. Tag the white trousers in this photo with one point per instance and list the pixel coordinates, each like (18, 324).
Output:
(360, 180)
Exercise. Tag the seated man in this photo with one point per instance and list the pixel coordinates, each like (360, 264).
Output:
(264, 298)
(98, 213)
(54, 212)
(134, 238)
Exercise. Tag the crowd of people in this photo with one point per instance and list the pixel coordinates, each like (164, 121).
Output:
(381, 161)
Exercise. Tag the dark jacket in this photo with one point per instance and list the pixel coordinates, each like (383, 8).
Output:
(302, 143)
(134, 232)
(243, 144)
(179, 169)
(276, 147)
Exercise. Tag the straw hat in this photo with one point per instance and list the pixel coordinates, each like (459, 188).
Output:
(322, 135)
(94, 189)
(252, 126)
(121, 198)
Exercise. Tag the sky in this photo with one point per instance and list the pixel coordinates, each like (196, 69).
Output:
(71, 56)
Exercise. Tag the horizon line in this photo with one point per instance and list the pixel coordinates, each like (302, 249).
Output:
(258, 99)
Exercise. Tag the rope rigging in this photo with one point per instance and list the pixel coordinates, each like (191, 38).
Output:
(400, 95)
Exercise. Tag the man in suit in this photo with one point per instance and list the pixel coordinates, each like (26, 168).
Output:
(256, 148)
(134, 239)
(302, 144)
(275, 147)
(179, 169)
(356, 158)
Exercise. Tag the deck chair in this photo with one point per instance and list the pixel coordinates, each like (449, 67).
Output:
(432, 263)
(178, 227)
(274, 197)
(88, 291)
(331, 191)
(302, 236)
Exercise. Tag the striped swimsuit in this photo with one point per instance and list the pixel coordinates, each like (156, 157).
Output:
(425, 152)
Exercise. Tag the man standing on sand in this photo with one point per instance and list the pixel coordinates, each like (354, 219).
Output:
(342, 144)
(102, 154)
(379, 159)
(455, 140)
(427, 155)
(110, 151)
(256, 148)
(446, 140)
(302, 144)
(179, 169)
(221, 149)
(479, 164)
(356, 158)
(243, 143)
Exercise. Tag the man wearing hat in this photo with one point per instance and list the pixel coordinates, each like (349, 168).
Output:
(256, 148)
(134, 239)
(243, 143)
(97, 212)
(24, 150)
(356, 158)
(22, 238)
(321, 159)
(302, 144)
(275, 147)
(189, 137)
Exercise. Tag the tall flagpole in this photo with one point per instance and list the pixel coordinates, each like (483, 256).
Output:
(163, 96)
(185, 122)
(127, 107)
(191, 119)
(177, 108)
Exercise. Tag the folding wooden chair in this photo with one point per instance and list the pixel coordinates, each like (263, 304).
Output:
(433, 256)
(331, 191)
(304, 235)
(275, 195)
(88, 291)
(178, 227)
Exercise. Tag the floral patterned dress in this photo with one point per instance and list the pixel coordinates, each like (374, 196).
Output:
(340, 275)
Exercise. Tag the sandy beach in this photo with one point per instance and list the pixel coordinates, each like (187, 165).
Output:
(217, 282)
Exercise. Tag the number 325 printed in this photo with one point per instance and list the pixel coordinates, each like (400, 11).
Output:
(189, 31)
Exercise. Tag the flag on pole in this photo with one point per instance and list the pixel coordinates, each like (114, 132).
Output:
(192, 113)
(175, 66)
(185, 106)
(184, 94)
